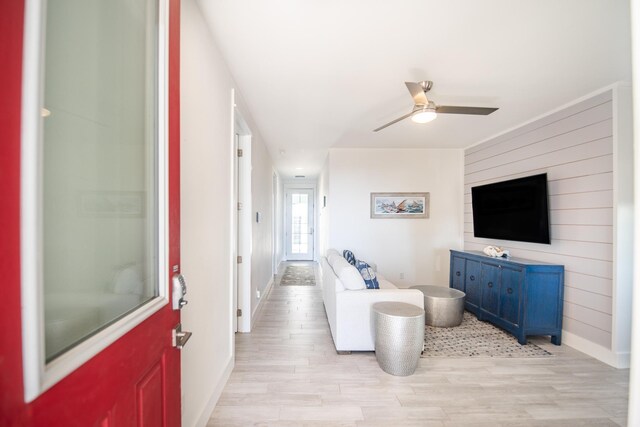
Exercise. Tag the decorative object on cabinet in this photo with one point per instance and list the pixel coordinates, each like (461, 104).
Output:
(523, 297)
(496, 252)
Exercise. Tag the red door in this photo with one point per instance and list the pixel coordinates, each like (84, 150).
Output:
(136, 379)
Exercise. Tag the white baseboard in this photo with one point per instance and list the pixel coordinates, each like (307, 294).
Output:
(217, 392)
(258, 309)
(620, 360)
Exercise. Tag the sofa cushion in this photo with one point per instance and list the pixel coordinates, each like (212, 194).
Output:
(384, 283)
(338, 264)
(349, 256)
(348, 275)
(331, 251)
(332, 259)
(368, 275)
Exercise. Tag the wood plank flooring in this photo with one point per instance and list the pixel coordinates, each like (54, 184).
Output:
(287, 373)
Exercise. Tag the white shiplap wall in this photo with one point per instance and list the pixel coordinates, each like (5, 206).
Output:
(575, 147)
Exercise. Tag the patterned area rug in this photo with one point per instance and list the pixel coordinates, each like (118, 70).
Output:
(474, 338)
(298, 275)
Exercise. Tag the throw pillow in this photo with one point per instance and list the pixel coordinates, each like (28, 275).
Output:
(348, 255)
(368, 275)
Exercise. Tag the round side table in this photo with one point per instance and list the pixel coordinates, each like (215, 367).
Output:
(399, 336)
(444, 307)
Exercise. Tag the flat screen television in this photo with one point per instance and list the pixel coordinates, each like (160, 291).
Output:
(512, 210)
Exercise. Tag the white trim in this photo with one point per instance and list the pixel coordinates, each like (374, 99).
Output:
(633, 416)
(256, 312)
(233, 217)
(623, 221)
(244, 232)
(241, 219)
(206, 413)
(38, 375)
(550, 112)
(32, 321)
(617, 360)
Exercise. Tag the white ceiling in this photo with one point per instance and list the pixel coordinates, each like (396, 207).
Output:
(324, 73)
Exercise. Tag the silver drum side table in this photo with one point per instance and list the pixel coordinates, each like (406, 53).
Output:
(399, 336)
(444, 307)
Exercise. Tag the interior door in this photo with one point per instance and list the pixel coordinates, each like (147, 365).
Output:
(92, 214)
(299, 227)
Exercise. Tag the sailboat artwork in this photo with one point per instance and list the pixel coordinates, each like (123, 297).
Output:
(399, 205)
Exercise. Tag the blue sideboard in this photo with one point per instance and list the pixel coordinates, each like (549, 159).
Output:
(521, 296)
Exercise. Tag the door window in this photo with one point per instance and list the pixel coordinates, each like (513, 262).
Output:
(299, 223)
(94, 182)
(98, 173)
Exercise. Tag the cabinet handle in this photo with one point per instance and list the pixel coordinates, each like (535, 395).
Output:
(458, 273)
(509, 290)
(490, 284)
(472, 277)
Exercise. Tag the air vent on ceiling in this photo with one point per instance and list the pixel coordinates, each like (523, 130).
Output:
(299, 176)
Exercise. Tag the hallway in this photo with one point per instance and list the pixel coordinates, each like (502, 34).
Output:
(287, 373)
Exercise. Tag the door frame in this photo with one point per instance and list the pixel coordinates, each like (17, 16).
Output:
(241, 230)
(274, 225)
(300, 185)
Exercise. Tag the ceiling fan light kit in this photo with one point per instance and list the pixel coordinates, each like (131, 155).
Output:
(425, 110)
(424, 114)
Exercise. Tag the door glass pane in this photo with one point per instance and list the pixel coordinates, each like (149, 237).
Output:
(99, 166)
(299, 223)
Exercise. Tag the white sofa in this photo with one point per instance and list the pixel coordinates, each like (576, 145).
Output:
(348, 302)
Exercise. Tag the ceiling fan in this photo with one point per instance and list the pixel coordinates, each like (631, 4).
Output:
(425, 110)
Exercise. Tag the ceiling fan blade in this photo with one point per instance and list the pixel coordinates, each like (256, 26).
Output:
(417, 92)
(392, 122)
(479, 111)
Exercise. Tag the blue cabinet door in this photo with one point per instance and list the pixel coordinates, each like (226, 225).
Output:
(472, 282)
(457, 273)
(510, 288)
(490, 288)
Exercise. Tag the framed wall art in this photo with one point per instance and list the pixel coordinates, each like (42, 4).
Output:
(399, 205)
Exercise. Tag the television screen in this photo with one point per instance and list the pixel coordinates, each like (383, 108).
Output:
(512, 210)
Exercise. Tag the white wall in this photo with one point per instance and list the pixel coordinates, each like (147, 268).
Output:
(585, 150)
(261, 233)
(206, 214)
(323, 211)
(416, 248)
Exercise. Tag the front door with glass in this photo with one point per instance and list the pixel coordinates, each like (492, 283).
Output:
(99, 214)
(299, 224)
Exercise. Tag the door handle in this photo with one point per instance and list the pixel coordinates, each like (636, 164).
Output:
(179, 337)
(178, 292)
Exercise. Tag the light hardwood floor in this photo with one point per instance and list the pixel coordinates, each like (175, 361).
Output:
(287, 373)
